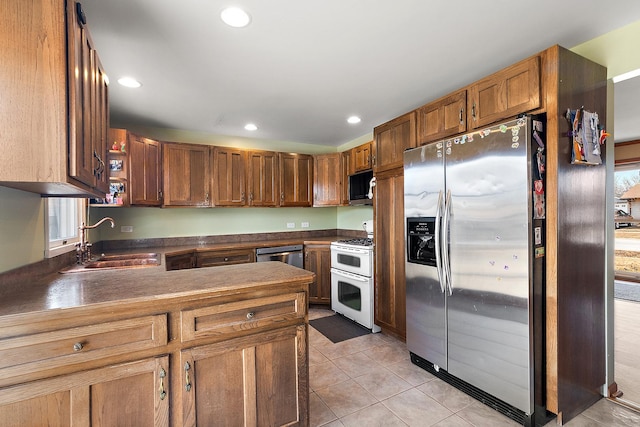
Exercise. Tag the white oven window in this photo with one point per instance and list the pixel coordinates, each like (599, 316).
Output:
(349, 295)
(346, 259)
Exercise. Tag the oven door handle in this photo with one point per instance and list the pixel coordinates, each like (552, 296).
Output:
(438, 241)
(351, 276)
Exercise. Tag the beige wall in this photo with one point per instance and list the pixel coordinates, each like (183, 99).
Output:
(617, 50)
(21, 228)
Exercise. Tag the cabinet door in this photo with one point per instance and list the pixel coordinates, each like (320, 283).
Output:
(362, 157)
(130, 394)
(186, 174)
(317, 258)
(296, 179)
(225, 257)
(390, 141)
(145, 163)
(507, 93)
(327, 180)
(83, 160)
(180, 262)
(100, 123)
(346, 160)
(260, 379)
(442, 118)
(228, 177)
(262, 178)
(390, 307)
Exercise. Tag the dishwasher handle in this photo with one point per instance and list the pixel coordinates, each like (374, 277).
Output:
(278, 249)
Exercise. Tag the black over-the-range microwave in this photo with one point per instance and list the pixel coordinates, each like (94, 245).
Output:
(359, 186)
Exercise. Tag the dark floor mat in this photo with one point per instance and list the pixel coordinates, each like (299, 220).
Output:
(338, 328)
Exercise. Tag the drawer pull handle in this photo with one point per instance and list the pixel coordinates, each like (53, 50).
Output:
(250, 315)
(187, 381)
(77, 346)
(163, 393)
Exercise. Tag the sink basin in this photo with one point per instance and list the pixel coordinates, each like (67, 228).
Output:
(126, 257)
(113, 262)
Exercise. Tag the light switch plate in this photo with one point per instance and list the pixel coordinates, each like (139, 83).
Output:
(126, 228)
(291, 225)
(304, 224)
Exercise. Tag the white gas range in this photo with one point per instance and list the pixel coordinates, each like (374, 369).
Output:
(352, 280)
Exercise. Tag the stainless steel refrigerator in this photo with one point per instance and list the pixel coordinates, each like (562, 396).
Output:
(474, 216)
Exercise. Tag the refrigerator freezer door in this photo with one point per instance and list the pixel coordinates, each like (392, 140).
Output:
(425, 299)
(488, 312)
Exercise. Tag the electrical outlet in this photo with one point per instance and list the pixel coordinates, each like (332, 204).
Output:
(304, 224)
(126, 228)
(291, 225)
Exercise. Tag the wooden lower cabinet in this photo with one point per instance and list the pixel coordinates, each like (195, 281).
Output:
(235, 358)
(129, 394)
(317, 258)
(225, 257)
(390, 291)
(250, 381)
(180, 261)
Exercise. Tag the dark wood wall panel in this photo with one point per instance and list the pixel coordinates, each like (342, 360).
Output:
(581, 222)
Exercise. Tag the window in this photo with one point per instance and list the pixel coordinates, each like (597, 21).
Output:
(626, 214)
(62, 219)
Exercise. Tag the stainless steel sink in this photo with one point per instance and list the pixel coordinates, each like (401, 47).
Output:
(113, 262)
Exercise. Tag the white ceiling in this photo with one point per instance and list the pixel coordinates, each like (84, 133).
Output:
(302, 67)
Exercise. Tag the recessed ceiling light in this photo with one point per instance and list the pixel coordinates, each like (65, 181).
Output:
(251, 127)
(354, 120)
(129, 82)
(235, 17)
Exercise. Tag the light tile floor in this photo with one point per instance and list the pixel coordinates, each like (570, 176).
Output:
(370, 381)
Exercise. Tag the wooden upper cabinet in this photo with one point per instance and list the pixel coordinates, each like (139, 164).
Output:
(327, 179)
(262, 178)
(345, 159)
(229, 185)
(507, 93)
(296, 179)
(391, 139)
(361, 157)
(145, 171)
(186, 174)
(88, 105)
(54, 102)
(442, 118)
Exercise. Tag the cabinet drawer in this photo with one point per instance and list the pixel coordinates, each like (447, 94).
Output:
(226, 257)
(237, 317)
(50, 350)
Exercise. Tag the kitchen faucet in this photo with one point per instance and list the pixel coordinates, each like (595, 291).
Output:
(83, 248)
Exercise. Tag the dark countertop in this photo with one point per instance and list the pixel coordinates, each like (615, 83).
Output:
(56, 291)
(52, 290)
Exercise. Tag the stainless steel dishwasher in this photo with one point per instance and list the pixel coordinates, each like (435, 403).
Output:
(291, 255)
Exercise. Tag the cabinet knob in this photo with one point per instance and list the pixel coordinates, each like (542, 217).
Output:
(226, 259)
(77, 346)
(250, 315)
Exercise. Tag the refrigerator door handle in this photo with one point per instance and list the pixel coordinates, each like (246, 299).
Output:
(445, 243)
(437, 242)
